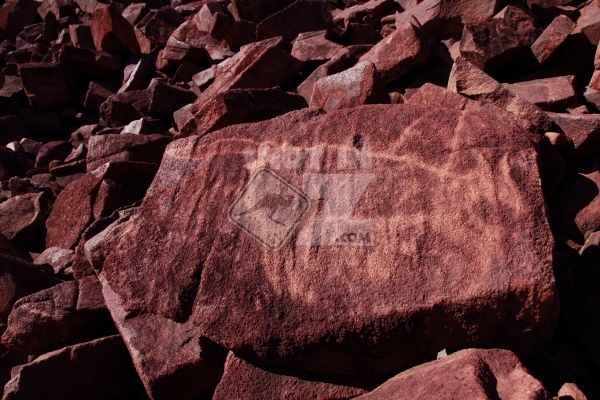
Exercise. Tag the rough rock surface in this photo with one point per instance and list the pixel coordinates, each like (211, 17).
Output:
(402, 51)
(245, 381)
(466, 374)
(269, 300)
(356, 86)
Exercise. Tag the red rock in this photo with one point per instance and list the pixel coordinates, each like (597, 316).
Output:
(22, 219)
(11, 129)
(13, 164)
(98, 92)
(370, 12)
(146, 126)
(62, 315)
(550, 94)
(55, 150)
(112, 33)
(583, 130)
(588, 23)
(552, 37)
(81, 201)
(81, 36)
(186, 71)
(55, 260)
(8, 360)
(493, 44)
(19, 278)
(135, 12)
(95, 370)
(571, 391)
(466, 374)
(7, 248)
(214, 19)
(576, 217)
(47, 85)
(472, 82)
(16, 15)
(446, 18)
(401, 52)
(125, 147)
(162, 24)
(237, 106)
(136, 75)
(257, 66)
(89, 62)
(256, 10)
(89, 6)
(356, 34)
(185, 362)
(261, 310)
(338, 63)
(60, 8)
(354, 87)
(245, 381)
(314, 46)
(300, 16)
(122, 108)
(166, 99)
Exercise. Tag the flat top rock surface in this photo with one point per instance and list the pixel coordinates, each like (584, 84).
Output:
(357, 242)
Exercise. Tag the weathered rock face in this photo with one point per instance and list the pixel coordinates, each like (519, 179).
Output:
(550, 94)
(300, 16)
(99, 369)
(467, 374)
(354, 87)
(23, 217)
(184, 362)
(63, 315)
(245, 381)
(494, 43)
(240, 105)
(19, 278)
(112, 33)
(377, 280)
(401, 52)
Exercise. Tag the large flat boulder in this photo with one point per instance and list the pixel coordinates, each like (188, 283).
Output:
(362, 241)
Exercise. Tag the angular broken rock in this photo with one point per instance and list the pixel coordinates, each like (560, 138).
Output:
(93, 196)
(22, 219)
(47, 85)
(55, 260)
(300, 16)
(550, 94)
(444, 18)
(256, 10)
(354, 87)
(13, 164)
(19, 278)
(62, 315)
(184, 362)
(552, 37)
(493, 44)
(370, 12)
(577, 217)
(314, 46)
(95, 370)
(89, 62)
(112, 33)
(381, 268)
(245, 381)
(237, 106)
(125, 147)
(582, 129)
(122, 108)
(166, 99)
(401, 52)
(258, 65)
(466, 374)
(472, 82)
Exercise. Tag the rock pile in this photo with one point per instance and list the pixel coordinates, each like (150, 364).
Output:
(299, 199)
